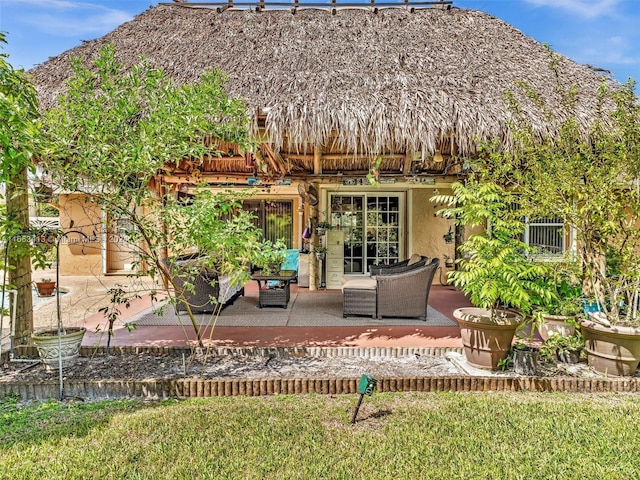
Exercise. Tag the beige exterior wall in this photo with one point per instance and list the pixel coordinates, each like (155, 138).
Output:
(426, 230)
(79, 255)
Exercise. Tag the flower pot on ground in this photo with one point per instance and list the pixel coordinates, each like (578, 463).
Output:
(525, 359)
(486, 339)
(45, 287)
(556, 325)
(612, 350)
(557, 315)
(53, 347)
(495, 271)
(563, 348)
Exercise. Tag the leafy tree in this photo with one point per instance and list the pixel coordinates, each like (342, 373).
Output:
(495, 270)
(18, 138)
(116, 129)
(590, 178)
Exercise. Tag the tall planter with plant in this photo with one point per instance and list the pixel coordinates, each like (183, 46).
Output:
(494, 271)
(590, 177)
(558, 315)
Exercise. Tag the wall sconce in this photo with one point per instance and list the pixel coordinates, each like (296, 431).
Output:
(437, 157)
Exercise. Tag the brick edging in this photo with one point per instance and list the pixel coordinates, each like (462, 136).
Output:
(222, 387)
(218, 387)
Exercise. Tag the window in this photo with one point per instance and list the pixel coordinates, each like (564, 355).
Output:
(274, 217)
(547, 234)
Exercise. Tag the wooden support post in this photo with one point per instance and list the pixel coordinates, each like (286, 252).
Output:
(408, 158)
(317, 160)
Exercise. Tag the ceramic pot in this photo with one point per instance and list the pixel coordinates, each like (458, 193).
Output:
(614, 351)
(486, 342)
(525, 360)
(45, 289)
(49, 347)
(557, 324)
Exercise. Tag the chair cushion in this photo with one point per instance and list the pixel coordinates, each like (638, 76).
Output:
(364, 283)
(415, 258)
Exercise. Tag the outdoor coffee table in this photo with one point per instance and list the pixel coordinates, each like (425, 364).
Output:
(274, 289)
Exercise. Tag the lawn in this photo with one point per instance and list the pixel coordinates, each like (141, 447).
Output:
(397, 436)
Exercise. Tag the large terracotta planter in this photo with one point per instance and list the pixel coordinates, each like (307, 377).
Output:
(557, 324)
(49, 346)
(486, 342)
(614, 351)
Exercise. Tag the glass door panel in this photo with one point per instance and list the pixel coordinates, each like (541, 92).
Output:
(347, 214)
(371, 225)
(383, 230)
(274, 217)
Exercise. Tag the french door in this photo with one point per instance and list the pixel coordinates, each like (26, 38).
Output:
(373, 226)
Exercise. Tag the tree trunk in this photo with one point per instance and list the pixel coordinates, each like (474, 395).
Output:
(19, 260)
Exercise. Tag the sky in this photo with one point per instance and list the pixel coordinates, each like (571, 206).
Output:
(602, 33)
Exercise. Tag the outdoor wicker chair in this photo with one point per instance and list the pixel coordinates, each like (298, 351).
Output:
(200, 296)
(405, 294)
(414, 262)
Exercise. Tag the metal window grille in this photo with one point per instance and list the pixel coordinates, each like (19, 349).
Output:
(547, 235)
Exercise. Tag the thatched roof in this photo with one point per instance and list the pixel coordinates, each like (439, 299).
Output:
(358, 81)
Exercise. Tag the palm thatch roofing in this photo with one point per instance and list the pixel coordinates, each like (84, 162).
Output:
(394, 81)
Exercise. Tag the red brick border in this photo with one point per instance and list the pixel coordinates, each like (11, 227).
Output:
(224, 387)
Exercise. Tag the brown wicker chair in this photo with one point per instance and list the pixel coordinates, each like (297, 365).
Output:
(398, 267)
(405, 294)
(200, 298)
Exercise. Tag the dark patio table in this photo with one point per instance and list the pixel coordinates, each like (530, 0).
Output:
(274, 295)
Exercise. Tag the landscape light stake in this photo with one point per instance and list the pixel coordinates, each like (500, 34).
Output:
(365, 387)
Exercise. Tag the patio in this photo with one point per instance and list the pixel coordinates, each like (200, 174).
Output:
(313, 318)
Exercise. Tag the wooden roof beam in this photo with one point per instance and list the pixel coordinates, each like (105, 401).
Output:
(408, 160)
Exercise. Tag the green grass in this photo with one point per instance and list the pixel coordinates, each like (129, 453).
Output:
(397, 436)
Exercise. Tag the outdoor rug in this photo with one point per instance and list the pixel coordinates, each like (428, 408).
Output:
(305, 310)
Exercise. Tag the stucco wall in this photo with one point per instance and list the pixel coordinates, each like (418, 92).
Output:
(426, 229)
(79, 256)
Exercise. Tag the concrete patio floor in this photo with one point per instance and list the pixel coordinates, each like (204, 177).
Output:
(86, 295)
(443, 299)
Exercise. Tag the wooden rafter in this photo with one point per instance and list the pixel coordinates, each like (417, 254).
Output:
(275, 159)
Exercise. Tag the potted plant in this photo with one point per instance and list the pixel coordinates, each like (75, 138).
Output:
(558, 314)
(271, 256)
(495, 271)
(58, 348)
(589, 178)
(322, 227)
(449, 262)
(320, 252)
(563, 348)
(45, 287)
